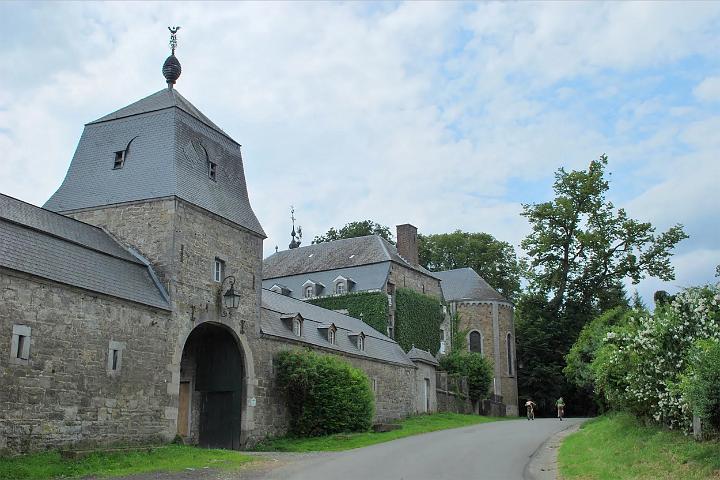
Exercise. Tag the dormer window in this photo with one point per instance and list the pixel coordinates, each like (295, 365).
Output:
(294, 322)
(343, 285)
(330, 332)
(359, 340)
(212, 170)
(340, 288)
(281, 289)
(297, 327)
(310, 291)
(119, 160)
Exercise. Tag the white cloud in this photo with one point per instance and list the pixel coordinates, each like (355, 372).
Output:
(708, 90)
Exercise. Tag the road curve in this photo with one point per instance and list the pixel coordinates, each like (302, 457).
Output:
(491, 451)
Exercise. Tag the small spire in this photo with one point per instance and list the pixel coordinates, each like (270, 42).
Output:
(171, 68)
(296, 237)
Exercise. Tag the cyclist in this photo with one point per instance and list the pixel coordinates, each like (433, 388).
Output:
(530, 406)
(560, 403)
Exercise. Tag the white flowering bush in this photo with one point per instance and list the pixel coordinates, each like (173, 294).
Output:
(645, 365)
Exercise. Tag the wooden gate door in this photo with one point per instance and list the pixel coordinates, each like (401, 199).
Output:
(220, 426)
(184, 409)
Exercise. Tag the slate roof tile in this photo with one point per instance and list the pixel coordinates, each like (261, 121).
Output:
(466, 284)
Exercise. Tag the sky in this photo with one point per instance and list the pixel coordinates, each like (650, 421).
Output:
(444, 115)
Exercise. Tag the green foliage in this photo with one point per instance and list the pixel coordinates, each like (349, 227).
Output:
(325, 394)
(581, 249)
(458, 337)
(581, 244)
(578, 361)
(372, 307)
(171, 458)
(474, 367)
(356, 229)
(492, 259)
(619, 447)
(701, 386)
(417, 320)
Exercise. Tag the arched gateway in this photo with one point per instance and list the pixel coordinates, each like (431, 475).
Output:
(212, 388)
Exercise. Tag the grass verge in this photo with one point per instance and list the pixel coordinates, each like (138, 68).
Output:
(347, 441)
(618, 446)
(169, 458)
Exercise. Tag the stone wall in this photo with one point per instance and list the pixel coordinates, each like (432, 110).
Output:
(425, 373)
(65, 393)
(452, 394)
(404, 277)
(395, 394)
(480, 316)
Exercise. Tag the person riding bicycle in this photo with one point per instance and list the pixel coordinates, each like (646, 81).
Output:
(530, 406)
(560, 403)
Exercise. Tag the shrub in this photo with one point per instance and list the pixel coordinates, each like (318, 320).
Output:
(475, 367)
(701, 387)
(324, 394)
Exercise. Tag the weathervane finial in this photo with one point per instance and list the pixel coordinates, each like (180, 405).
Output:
(173, 38)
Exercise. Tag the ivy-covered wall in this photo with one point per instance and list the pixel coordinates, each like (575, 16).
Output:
(417, 320)
(372, 305)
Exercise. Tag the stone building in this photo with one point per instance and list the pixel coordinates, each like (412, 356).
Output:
(132, 303)
(361, 264)
(488, 319)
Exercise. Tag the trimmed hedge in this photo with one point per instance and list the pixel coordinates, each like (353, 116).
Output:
(372, 305)
(325, 394)
(702, 386)
(417, 320)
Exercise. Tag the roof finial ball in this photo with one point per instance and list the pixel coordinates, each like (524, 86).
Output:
(171, 68)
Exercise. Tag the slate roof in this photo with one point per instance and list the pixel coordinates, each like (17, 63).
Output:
(377, 345)
(48, 245)
(365, 277)
(338, 254)
(419, 355)
(466, 284)
(169, 143)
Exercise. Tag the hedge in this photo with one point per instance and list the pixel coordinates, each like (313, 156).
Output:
(417, 320)
(325, 394)
(475, 367)
(373, 306)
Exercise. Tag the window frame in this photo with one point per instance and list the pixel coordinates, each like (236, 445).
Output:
(479, 333)
(297, 327)
(218, 273)
(212, 170)
(119, 161)
(115, 357)
(309, 289)
(20, 343)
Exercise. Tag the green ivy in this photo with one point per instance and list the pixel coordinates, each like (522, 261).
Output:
(417, 320)
(324, 393)
(373, 306)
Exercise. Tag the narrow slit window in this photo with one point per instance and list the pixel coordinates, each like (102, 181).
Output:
(114, 360)
(21, 346)
(212, 170)
(115, 357)
(119, 160)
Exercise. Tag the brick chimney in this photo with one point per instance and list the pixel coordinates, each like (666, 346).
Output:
(407, 243)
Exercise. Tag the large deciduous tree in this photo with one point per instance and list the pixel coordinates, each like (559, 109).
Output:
(356, 229)
(581, 249)
(492, 259)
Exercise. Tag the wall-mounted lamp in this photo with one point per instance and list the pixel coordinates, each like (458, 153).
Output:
(230, 299)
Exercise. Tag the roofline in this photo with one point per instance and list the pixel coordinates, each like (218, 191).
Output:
(68, 240)
(480, 300)
(308, 272)
(166, 197)
(337, 351)
(167, 308)
(213, 128)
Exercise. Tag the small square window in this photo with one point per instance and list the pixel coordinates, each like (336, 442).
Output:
(119, 160)
(20, 345)
(115, 357)
(212, 170)
(219, 270)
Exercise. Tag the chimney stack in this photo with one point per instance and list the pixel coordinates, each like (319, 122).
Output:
(407, 243)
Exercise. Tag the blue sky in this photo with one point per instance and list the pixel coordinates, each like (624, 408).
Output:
(444, 115)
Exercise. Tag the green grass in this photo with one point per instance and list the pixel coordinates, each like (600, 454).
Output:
(167, 458)
(347, 441)
(617, 447)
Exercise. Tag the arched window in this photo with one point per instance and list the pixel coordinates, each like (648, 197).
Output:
(361, 343)
(475, 341)
(297, 327)
(340, 288)
(331, 335)
(509, 354)
(309, 291)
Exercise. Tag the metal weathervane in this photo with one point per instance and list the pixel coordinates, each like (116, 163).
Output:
(173, 38)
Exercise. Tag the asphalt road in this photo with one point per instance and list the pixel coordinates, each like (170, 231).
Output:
(492, 451)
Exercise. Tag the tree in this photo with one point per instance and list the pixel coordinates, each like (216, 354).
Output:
(475, 367)
(580, 249)
(356, 229)
(492, 259)
(581, 245)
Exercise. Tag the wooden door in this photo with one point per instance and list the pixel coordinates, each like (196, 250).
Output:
(184, 410)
